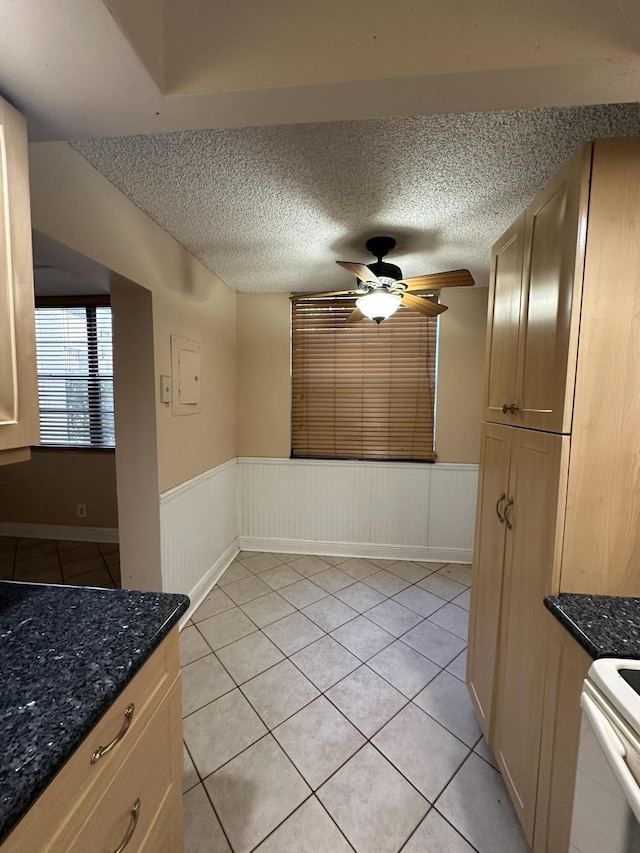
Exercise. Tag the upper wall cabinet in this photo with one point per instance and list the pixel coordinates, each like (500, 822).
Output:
(504, 323)
(19, 427)
(536, 285)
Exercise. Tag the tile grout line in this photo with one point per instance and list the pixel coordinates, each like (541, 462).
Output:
(447, 785)
(222, 829)
(322, 806)
(455, 828)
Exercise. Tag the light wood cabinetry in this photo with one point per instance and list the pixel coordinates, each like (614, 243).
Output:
(536, 286)
(518, 543)
(134, 789)
(504, 323)
(486, 589)
(567, 665)
(553, 263)
(537, 470)
(572, 445)
(19, 424)
(602, 541)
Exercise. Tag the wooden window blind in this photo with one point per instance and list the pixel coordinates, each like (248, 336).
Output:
(75, 375)
(361, 391)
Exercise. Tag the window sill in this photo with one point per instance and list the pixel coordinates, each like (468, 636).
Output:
(66, 448)
(364, 459)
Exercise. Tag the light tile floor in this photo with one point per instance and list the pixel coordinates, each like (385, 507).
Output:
(326, 711)
(60, 562)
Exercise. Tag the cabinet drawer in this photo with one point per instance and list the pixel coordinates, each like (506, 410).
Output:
(148, 779)
(166, 834)
(80, 783)
(144, 693)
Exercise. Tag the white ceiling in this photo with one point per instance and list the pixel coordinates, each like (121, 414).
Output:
(277, 148)
(271, 209)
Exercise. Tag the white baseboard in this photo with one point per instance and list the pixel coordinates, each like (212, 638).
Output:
(206, 583)
(59, 531)
(357, 549)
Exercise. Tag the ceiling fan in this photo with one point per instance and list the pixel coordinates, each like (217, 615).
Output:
(383, 289)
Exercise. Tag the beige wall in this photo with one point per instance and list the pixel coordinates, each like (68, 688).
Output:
(264, 401)
(136, 445)
(74, 204)
(191, 444)
(209, 47)
(48, 488)
(264, 411)
(461, 374)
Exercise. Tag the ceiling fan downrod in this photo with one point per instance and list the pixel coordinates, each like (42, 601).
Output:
(379, 247)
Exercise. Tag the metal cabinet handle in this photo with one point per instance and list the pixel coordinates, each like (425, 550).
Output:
(505, 408)
(506, 517)
(135, 814)
(103, 750)
(513, 408)
(500, 499)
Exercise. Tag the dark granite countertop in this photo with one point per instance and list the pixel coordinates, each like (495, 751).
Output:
(605, 626)
(65, 655)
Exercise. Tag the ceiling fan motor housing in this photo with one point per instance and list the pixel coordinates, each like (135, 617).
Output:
(380, 246)
(383, 269)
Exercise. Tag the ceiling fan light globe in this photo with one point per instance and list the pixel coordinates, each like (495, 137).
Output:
(378, 305)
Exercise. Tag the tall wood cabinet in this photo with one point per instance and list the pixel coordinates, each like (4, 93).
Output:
(559, 488)
(19, 423)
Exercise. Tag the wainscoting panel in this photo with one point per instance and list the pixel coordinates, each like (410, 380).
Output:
(395, 510)
(199, 531)
(452, 506)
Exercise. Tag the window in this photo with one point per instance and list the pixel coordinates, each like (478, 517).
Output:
(360, 390)
(75, 375)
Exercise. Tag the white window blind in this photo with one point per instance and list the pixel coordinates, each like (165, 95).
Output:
(75, 376)
(361, 391)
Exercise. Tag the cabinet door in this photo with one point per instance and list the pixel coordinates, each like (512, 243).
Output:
(567, 665)
(537, 477)
(19, 427)
(486, 586)
(556, 225)
(503, 320)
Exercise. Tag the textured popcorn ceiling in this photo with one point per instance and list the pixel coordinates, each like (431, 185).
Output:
(271, 208)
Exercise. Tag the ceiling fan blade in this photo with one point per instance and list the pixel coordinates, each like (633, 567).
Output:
(436, 280)
(360, 271)
(355, 315)
(324, 293)
(425, 306)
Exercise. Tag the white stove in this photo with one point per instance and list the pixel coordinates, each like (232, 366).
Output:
(606, 808)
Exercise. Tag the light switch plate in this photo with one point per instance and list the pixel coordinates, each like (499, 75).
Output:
(165, 389)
